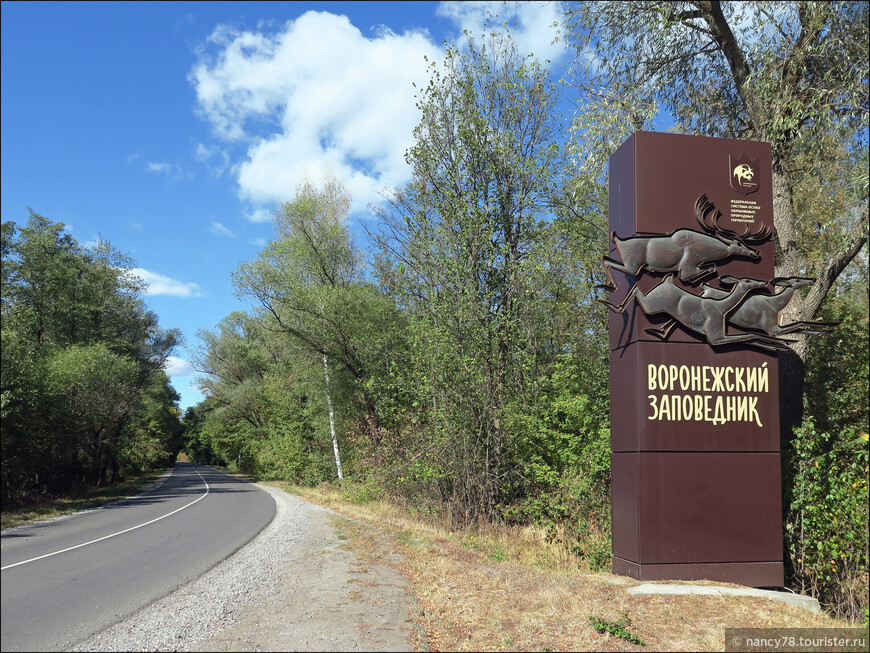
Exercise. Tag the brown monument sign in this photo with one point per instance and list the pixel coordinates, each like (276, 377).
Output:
(694, 332)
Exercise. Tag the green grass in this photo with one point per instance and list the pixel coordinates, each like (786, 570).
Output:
(64, 505)
(409, 538)
(618, 628)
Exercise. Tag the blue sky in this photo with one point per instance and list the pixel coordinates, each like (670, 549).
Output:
(174, 129)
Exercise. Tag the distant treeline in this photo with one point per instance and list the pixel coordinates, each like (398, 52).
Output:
(85, 400)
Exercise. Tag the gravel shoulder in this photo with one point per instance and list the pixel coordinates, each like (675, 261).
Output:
(295, 587)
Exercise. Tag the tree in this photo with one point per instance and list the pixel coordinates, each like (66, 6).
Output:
(235, 362)
(80, 352)
(155, 436)
(839, 365)
(469, 250)
(96, 391)
(199, 447)
(793, 74)
(310, 284)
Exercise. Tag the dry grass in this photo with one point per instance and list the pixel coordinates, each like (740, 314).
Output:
(500, 590)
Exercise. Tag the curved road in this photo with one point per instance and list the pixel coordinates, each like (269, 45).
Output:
(68, 579)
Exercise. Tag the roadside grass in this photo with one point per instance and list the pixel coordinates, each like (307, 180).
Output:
(48, 508)
(500, 589)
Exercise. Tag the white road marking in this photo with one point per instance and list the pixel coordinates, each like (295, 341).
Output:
(106, 537)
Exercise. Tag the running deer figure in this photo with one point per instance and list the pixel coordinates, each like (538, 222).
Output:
(761, 312)
(685, 251)
(703, 315)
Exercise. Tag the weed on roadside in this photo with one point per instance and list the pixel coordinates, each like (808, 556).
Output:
(616, 628)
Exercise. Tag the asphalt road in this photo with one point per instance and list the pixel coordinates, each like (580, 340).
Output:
(65, 580)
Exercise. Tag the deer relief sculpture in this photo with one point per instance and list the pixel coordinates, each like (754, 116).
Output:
(687, 252)
(761, 311)
(703, 315)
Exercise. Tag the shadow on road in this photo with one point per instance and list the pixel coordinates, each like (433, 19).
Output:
(183, 481)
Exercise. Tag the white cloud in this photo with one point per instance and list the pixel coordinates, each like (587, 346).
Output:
(316, 94)
(220, 230)
(259, 242)
(326, 96)
(202, 153)
(159, 167)
(158, 284)
(175, 366)
(218, 160)
(261, 214)
(173, 171)
(531, 24)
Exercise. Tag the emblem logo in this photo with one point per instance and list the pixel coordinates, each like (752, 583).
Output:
(743, 174)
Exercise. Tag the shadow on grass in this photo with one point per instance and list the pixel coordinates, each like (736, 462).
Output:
(64, 505)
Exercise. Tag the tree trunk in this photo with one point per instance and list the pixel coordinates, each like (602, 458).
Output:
(332, 420)
(372, 419)
(792, 371)
(792, 363)
(789, 261)
(97, 462)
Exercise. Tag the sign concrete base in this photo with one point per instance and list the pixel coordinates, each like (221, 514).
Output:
(806, 602)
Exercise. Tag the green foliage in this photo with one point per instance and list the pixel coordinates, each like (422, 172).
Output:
(289, 380)
(310, 283)
(497, 554)
(707, 66)
(826, 527)
(616, 628)
(84, 401)
(95, 389)
(197, 444)
(839, 365)
(469, 251)
(281, 456)
(362, 493)
(564, 444)
(154, 439)
(292, 449)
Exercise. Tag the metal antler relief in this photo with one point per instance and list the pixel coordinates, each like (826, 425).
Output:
(686, 251)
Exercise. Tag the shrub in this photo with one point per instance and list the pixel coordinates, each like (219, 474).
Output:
(826, 525)
(562, 446)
